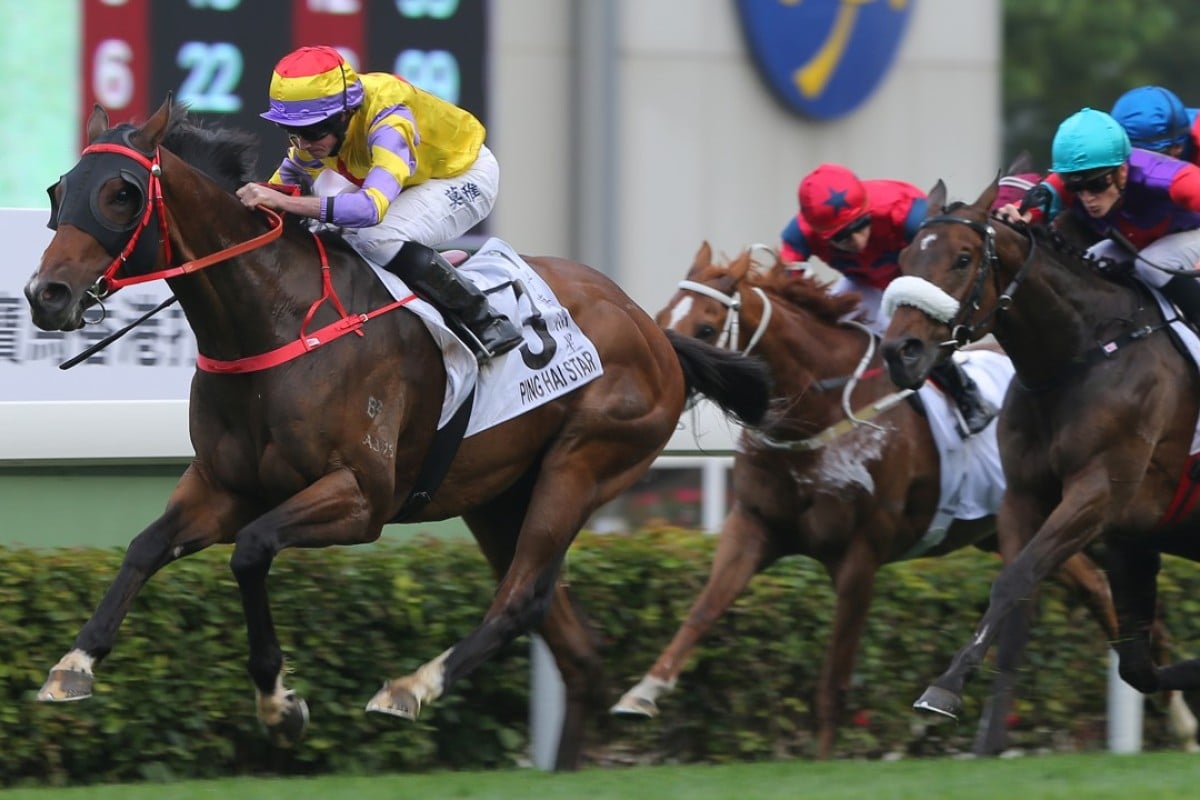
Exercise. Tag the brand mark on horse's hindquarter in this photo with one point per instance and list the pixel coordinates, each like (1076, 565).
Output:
(374, 406)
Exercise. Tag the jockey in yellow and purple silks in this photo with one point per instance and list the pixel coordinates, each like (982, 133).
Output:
(859, 228)
(398, 169)
(1148, 199)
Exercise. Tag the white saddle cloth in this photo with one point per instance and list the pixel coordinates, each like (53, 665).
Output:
(972, 479)
(557, 358)
(1190, 342)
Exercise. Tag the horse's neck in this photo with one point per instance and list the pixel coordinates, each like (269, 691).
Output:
(1057, 315)
(241, 306)
(803, 352)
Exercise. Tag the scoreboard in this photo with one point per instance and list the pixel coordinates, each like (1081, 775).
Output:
(217, 55)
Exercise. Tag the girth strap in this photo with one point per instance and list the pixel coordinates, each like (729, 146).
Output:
(437, 463)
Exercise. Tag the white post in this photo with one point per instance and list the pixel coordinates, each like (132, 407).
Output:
(547, 704)
(1125, 705)
(713, 501)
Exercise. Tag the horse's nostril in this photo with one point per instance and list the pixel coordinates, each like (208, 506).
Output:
(50, 295)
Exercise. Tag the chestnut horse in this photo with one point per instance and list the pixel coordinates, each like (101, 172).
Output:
(1096, 429)
(324, 449)
(854, 497)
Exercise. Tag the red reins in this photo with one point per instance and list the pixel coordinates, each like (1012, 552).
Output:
(108, 282)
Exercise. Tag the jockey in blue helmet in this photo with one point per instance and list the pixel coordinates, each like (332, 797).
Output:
(1156, 119)
(1126, 196)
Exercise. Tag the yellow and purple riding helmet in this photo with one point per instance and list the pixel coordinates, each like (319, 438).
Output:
(310, 85)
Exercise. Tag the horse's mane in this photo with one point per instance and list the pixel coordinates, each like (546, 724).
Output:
(226, 155)
(804, 290)
(1067, 244)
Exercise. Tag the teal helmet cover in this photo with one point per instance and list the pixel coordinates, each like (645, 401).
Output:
(1089, 140)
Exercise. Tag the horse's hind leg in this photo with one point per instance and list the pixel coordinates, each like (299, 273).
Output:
(576, 649)
(854, 583)
(571, 484)
(571, 640)
(328, 512)
(196, 517)
(743, 550)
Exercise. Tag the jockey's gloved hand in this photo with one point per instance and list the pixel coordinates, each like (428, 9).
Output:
(1039, 197)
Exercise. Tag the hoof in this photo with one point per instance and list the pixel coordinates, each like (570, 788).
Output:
(636, 707)
(940, 701)
(397, 701)
(65, 686)
(292, 725)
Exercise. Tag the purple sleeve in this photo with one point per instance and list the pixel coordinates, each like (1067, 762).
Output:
(392, 160)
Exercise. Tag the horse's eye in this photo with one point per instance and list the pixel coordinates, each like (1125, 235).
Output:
(963, 261)
(124, 196)
(706, 333)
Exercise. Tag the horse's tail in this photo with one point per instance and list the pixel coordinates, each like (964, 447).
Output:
(739, 384)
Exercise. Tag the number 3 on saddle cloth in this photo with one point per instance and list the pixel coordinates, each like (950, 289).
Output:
(556, 358)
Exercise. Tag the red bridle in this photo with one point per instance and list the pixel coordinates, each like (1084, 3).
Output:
(108, 282)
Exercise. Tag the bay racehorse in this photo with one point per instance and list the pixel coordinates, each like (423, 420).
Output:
(325, 448)
(1096, 430)
(852, 496)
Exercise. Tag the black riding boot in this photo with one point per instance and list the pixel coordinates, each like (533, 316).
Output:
(1184, 292)
(974, 412)
(465, 308)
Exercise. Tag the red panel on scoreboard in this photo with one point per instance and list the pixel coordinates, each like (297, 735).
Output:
(115, 60)
(337, 23)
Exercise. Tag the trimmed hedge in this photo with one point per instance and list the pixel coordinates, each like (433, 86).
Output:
(174, 700)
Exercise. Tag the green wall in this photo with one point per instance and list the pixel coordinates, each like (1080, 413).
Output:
(106, 506)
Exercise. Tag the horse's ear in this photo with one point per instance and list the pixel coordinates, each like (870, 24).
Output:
(148, 137)
(937, 198)
(989, 194)
(1023, 162)
(97, 122)
(703, 259)
(740, 266)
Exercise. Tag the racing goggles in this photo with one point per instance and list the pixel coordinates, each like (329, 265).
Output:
(1092, 184)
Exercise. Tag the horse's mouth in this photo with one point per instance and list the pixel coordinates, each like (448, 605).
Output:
(908, 361)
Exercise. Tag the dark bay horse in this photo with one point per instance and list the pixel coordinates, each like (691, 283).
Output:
(1096, 429)
(323, 449)
(853, 497)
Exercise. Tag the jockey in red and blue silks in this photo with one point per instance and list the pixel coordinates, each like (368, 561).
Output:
(859, 228)
(856, 227)
(1156, 119)
(1150, 199)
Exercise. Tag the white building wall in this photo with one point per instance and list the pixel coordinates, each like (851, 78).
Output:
(704, 151)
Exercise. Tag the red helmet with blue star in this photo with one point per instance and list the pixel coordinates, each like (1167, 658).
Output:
(831, 197)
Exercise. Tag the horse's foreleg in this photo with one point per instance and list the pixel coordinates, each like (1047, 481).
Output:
(1133, 575)
(1073, 523)
(330, 511)
(743, 550)
(854, 581)
(195, 518)
(1181, 721)
(1011, 640)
